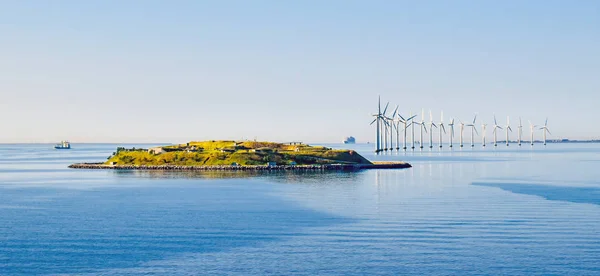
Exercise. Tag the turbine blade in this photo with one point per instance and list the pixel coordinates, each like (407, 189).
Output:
(412, 117)
(495, 122)
(546, 121)
(474, 128)
(395, 110)
(373, 121)
(474, 118)
(386, 107)
(443, 128)
(548, 131)
(402, 118)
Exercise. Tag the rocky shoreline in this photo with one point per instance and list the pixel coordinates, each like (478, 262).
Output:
(328, 167)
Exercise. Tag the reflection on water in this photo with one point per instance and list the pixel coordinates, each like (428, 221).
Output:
(272, 176)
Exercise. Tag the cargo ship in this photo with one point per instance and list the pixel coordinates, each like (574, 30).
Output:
(63, 145)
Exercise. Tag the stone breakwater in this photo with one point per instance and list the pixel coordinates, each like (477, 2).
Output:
(327, 167)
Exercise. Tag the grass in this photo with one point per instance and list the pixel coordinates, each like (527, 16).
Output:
(241, 153)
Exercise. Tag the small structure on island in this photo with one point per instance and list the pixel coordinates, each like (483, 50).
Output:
(156, 150)
(293, 163)
(272, 164)
(234, 164)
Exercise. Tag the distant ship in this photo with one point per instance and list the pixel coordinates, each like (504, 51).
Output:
(349, 140)
(63, 145)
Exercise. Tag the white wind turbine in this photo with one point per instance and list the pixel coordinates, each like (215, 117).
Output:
(442, 128)
(423, 127)
(378, 119)
(545, 130)
(413, 131)
(520, 131)
(406, 125)
(495, 131)
(532, 127)
(462, 130)
(394, 125)
(483, 129)
(451, 125)
(473, 129)
(385, 128)
(507, 129)
(431, 126)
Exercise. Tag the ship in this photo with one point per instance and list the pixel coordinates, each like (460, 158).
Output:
(349, 140)
(63, 145)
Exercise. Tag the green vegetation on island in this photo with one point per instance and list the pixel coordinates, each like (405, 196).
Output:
(240, 153)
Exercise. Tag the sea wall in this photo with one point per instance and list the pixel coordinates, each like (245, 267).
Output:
(328, 167)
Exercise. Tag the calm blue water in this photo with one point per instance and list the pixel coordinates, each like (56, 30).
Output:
(505, 211)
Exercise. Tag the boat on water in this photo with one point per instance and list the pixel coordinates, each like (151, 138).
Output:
(63, 145)
(349, 140)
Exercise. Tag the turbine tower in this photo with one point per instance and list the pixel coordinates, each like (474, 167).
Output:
(442, 128)
(483, 128)
(520, 131)
(495, 131)
(545, 130)
(451, 125)
(406, 125)
(385, 127)
(394, 125)
(462, 130)
(473, 129)
(532, 127)
(422, 128)
(431, 125)
(413, 131)
(507, 129)
(377, 119)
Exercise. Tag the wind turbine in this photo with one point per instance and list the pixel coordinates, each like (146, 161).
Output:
(451, 125)
(532, 127)
(520, 131)
(394, 125)
(377, 119)
(473, 129)
(431, 125)
(385, 127)
(413, 131)
(423, 127)
(545, 129)
(496, 127)
(406, 125)
(483, 128)
(442, 128)
(462, 130)
(507, 129)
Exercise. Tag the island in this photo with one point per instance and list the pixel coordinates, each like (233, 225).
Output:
(238, 155)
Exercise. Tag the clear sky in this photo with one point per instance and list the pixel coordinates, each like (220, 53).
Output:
(171, 71)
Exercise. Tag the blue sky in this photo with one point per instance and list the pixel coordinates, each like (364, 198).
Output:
(171, 71)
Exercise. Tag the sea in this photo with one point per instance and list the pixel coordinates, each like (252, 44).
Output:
(462, 211)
